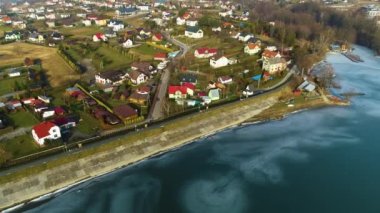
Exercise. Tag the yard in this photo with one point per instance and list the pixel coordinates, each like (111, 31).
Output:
(81, 32)
(4, 28)
(144, 52)
(57, 70)
(88, 124)
(8, 85)
(23, 119)
(20, 146)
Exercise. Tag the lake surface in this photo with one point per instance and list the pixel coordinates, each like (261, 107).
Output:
(324, 160)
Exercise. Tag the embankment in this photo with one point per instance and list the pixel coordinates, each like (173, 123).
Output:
(27, 184)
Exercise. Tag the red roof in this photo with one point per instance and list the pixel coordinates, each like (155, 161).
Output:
(160, 56)
(158, 36)
(59, 110)
(42, 129)
(205, 50)
(188, 85)
(269, 54)
(174, 89)
(6, 18)
(99, 35)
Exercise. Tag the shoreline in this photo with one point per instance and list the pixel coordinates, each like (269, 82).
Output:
(136, 154)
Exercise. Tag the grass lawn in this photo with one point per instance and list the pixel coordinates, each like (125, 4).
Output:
(88, 124)
(23, 119)
(57, 70)
(80, 32)
(145, 52)
(116, 60)
(4, 28)
(20, 146)
(7, 85)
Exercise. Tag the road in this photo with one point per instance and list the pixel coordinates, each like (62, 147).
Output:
(156, 112)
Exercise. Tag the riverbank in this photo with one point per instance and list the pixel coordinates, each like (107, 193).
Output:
(25, 185)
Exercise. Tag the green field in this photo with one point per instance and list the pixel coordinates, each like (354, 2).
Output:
(8, 84)
(4, 28)
(23, 119)
(82, 31)
(88, 124)
(20, 146)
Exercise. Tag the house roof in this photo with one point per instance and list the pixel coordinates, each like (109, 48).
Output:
(174, 89)
(276, 60)
(269, 54)
(158, 36)
(134, 74)
(189, 85)
(42, 129)
(205, 50)
(160, 55)
(252, 46)
(113, 75)
(124, 111)
(192, 29)
(213, 93)
(99, 35)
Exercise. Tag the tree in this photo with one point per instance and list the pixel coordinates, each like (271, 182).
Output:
(28, 62)
(182, 12)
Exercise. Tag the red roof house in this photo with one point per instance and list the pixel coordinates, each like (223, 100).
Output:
(157, 37)
(178, 92)
(45, 131)
(160, 56)
(205, 52)
(270, 54)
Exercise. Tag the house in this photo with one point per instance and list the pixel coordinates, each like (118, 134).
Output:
(191, 22)
(99, 37)
(64, 122)
(86, 22)
(205, 52)
(14, 104)
(50, 23)
(244, 37)
(128, 43)
(125, 112)
(143, 7)
(44, 99)
(270, 54)
(3, 123)
(252, 49)
(109, 33)
(159, 21)
(307, 86)
(6, 20)
(56, 36)
(160, 56)
(45, 131)
(216, 29)
(214, 94)
(46, 113)
(110, 77)
(12, 36)
(180, 21)
(188, 78)
(181, 92)
(249, 90)
(101, 22)
(14, 73)
(139, 98)
(126, 11)
(137, 77)
(144, 67)
(143, 32)
(219, 62)
(194, 32)
(27, 101)
(116, 25)
(274, 65)
(225, 79)
(36, 37)
(157, 37)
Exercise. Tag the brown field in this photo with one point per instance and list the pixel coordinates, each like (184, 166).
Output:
(56, 68)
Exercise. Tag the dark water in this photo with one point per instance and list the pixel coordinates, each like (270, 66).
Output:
(323, 160)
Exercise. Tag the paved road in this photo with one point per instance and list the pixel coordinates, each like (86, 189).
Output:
(157, 112)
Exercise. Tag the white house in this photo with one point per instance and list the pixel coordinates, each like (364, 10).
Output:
(205, 52)
(220, 62)
(116, 25)
(180, 21)
(46, 113)
(45, 131)
(274, 65)
(191, 22)
(225, 79)
(194, 32)
(252, 49)
(128, 43)
(14, 73)
(216, 29)
(99, 37)
(137, 77)
(86, 22)
(110, 77)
